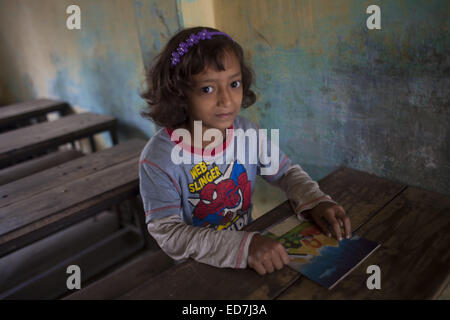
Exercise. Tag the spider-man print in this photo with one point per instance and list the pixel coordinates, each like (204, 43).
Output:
(222, 200)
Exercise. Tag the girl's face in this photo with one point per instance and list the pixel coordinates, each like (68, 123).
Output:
(217, 96)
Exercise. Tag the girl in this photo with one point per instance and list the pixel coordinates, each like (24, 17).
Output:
(198, 83)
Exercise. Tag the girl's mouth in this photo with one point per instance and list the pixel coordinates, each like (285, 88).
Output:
(224, 115)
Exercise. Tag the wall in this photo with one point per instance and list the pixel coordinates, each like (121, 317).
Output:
(373, 100)
(98, 68)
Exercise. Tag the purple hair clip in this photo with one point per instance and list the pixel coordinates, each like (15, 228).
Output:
(193, 39)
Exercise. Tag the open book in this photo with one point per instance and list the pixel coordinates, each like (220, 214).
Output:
(322, 259)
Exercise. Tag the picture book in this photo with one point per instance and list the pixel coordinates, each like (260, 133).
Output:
(320, 258)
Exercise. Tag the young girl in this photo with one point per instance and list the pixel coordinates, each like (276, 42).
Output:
(197, 209)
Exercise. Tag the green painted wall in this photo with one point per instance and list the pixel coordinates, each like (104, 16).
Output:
(373, 100)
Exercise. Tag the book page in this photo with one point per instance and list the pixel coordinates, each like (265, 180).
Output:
(284, 226)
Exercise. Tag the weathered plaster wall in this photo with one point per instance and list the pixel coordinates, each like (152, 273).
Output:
(99, 68)
(374, 100)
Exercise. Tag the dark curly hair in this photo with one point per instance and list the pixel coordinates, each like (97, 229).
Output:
(168, 87)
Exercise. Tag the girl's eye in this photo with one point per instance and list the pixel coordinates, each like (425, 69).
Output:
(237, 84)
(209, 89)
(205, 89)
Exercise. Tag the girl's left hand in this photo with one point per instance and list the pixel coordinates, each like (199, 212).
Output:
(330, 213)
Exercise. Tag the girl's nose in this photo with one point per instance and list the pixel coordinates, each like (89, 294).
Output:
(224, 98)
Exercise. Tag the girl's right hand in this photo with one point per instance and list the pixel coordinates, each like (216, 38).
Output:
(265, 255)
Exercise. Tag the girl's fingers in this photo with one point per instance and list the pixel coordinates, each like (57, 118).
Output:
(347, 224)
(280, 257)
(258, 267)
(276, 260)
(335, 226)
(284, 255)
(255, 264)
(323, 226)
(268, 265)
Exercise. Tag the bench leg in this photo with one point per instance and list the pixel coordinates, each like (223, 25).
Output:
(113, 134)
(42, 118)
(139, 215)
(124, 211)
(92, 142)
(131, 215)
(119, 214)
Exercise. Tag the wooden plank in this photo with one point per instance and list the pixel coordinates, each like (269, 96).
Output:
(24, 110)
(61, 198)
(30, 167)
(193, 280)
(218, 283)
(23, 142)
(69, 171)
(54, 223)
(414, 230)
(125, 278)
(361, 194)
(266, 220)
(92, 261)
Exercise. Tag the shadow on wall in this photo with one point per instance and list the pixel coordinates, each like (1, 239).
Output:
(127, 131)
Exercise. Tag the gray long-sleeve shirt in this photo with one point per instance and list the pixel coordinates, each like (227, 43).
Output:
(197, 209)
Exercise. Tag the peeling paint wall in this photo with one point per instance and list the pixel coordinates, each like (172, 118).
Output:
(373, 100)
(98, 68)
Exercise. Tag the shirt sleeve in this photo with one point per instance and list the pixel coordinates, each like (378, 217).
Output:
(161, 198)
(302, 192)
(160, 193)
(219, 248)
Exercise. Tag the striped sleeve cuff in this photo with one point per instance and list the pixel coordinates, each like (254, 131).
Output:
(310, 204)
(241, 259)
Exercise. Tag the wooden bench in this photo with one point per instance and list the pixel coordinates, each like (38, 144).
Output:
(30, 167)
(21, 143)
(51, 200)
(18, 114)
(128, 276)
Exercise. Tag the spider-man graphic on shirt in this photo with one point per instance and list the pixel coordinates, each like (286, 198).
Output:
(224, 201)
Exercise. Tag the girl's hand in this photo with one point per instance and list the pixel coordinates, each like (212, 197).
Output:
(265, 255)
(330, 213)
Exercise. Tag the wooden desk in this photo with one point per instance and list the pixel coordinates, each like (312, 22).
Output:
(30, 167)
(18, 112)
(413, 226)
(46, 202)
(20, 143)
